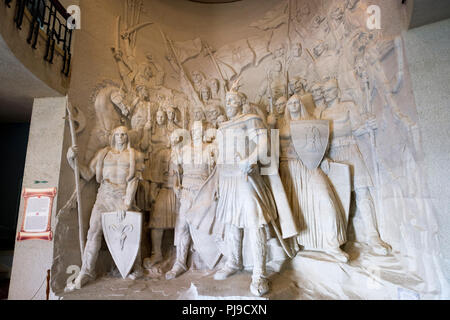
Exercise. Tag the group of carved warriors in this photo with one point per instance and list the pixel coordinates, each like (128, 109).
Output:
(169, 189)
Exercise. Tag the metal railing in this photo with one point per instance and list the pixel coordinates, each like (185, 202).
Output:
(51, 17)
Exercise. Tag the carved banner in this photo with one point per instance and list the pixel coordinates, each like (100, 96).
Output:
(123, 237)
(310, 139)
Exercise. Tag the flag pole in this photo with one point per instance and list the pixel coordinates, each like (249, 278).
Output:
(219, 71)
(180, 66)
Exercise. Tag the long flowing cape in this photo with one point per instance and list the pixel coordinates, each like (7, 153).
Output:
(202, 214)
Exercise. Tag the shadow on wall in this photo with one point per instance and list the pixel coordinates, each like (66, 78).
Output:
(14, 144)
(4, 286)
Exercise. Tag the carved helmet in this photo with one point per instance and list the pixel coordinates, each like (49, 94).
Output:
(235, 91)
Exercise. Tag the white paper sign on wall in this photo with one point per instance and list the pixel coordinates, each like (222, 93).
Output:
(36, 223)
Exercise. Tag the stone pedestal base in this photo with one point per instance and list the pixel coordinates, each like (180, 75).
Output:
(311, 275)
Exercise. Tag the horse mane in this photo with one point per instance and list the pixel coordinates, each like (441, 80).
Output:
(102, 85)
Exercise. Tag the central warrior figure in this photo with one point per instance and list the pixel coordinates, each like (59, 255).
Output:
(245, 201)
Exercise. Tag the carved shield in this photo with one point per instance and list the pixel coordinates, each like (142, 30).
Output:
(123, 238)
(340, 178)
(310, 139)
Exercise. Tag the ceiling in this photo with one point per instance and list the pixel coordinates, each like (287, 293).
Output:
(18, 88)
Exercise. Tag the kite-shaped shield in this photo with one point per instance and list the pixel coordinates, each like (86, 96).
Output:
(123, 237)
(310, 139)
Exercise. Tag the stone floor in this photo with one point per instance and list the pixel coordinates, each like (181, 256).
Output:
(310, 275)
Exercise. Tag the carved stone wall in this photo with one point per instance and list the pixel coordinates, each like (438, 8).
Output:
(254, 39)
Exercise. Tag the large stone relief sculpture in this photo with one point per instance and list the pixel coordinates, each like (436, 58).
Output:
(311, 72)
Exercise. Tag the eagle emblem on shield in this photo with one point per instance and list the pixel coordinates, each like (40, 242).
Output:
(123, 236)
(310, 139)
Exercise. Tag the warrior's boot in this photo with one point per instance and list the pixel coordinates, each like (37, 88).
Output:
(234, 259)
(177, 270)
(182, 253)
(79, 282)
(260, 284)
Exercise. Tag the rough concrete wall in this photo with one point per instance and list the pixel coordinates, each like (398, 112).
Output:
(428, 54)
(32, 258)
(426, 12)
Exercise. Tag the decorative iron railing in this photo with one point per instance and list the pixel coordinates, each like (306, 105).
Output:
(51, 17)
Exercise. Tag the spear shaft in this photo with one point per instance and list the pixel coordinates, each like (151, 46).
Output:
(77, 179)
